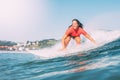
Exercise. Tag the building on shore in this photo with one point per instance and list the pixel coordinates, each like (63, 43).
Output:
(29, 45)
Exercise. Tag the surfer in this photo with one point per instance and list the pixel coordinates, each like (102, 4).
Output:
(74, 31)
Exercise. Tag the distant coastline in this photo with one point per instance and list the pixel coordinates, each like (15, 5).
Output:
(28, 45)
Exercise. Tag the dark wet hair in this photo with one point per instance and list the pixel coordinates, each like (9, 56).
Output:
(79, 23)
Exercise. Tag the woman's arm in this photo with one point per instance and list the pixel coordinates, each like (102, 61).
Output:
(90, 38)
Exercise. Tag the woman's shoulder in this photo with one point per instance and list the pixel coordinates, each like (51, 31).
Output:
(80, 28)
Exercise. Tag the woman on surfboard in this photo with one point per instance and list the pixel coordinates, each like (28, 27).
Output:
(74, 31)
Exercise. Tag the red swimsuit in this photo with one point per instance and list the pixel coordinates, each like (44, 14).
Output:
(75, 32)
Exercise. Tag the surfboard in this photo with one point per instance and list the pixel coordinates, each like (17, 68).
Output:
(49, 53)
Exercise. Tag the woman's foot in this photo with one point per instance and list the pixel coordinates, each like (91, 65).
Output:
(63, 49)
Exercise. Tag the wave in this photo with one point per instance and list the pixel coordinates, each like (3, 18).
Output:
(81, 61)
(102, 37)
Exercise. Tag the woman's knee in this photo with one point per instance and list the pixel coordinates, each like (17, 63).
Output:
(68, 39)
(77, 39)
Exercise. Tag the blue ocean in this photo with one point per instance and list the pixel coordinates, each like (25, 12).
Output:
(87, 62)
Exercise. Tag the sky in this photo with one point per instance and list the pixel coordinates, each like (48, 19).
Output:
(22, 20)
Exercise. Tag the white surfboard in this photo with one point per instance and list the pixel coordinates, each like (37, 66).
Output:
(49, 53)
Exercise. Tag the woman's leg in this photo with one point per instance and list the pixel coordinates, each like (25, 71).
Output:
(77, 39)
(67, 40)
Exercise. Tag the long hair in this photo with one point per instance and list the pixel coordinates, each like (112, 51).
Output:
(79, 23)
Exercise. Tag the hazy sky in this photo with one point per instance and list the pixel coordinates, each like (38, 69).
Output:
(22, 20)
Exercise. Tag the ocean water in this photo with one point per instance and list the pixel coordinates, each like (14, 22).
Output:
(87, 62)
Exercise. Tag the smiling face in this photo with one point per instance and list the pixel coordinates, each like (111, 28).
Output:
(75, 24)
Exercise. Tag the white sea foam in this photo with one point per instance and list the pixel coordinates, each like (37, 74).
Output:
(101, 36)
